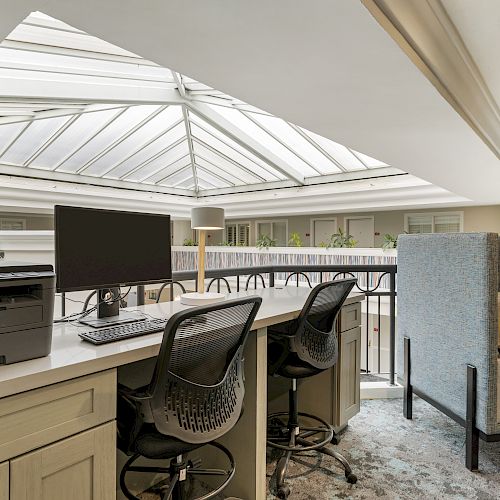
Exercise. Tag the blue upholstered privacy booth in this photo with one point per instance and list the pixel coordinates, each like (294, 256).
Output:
(447, 307)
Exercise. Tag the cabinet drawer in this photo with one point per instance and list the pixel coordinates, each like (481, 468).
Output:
(350, 316)
(39, 417)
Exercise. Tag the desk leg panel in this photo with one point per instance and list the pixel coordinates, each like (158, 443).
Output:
(247, 440)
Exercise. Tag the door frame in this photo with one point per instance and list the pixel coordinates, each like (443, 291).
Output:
(357, 217)
(312, 232)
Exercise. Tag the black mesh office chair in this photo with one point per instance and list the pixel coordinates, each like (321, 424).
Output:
(302, 348)
(194, 397)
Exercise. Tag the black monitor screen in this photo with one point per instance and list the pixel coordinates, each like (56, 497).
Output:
(105, 248)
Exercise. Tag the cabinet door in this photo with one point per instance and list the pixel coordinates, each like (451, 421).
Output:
(4, 481)
(82, 467)
(349, 374)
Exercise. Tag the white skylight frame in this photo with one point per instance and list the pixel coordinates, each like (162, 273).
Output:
(127, 121)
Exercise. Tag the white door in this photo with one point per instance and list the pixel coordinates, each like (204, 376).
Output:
(323, 230)
(362, 230)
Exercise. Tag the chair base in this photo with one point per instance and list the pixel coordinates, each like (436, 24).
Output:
(292, 438)
(178, 471)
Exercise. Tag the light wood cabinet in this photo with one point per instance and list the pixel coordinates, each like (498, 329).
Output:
(347, 376)
(4, 481)
(77, 468)
(37, 418)
(334, 394)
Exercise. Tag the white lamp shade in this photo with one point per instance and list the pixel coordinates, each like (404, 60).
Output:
(207, 218)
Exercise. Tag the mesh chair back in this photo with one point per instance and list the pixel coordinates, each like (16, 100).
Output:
(197, 388)
(315, 340)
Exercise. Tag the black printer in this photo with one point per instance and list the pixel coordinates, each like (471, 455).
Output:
(26, 310)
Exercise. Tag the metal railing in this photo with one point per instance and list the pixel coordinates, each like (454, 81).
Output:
(370, 281)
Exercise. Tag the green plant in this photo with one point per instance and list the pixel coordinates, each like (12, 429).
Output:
(295, 240)
(227, 244)
(188, 242)
(390, 241)
(341, 239)
(323, 245)
(265, 241)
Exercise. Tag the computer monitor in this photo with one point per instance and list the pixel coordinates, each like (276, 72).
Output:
(105, 249)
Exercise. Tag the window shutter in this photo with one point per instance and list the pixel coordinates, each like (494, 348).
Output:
(419, 224)
(243, 234)
(446, 223)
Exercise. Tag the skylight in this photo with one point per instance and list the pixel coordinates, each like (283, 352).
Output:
(73, 104)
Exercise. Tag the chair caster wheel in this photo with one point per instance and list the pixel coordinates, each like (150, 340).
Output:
(351, 478)
(283, 492)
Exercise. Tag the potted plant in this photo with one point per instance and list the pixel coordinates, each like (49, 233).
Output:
(295, 240)
(341, 239)
(265, 241)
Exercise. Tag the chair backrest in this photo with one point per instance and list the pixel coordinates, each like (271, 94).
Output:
(315, 340)
(197, 387)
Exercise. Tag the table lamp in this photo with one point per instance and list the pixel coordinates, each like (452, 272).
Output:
(203, 219)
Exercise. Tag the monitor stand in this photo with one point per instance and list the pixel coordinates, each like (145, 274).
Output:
(108, 311)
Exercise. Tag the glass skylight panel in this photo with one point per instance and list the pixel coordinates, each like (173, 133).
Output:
(251, 129)
(32, 139)
(233, 177)
(370, 162)
(280, 129)
(26, 60)
(222, 147)
(156, 175)
(337, 151)
(225, 164)
(107, 137)
(79, 131)
(178, 177)
(141, 137)
(142, 143)
(265, 171)
(205, 175)
(170, 156)
(8, 132)
(145, 154)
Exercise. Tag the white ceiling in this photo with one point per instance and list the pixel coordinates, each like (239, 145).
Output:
(326, 65)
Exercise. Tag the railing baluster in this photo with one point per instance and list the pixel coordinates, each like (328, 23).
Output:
(378, 331)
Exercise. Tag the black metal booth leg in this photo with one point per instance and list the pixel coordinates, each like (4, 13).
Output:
(408, 391)
(471, 431)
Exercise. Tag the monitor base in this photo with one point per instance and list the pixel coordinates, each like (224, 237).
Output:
(124, 317)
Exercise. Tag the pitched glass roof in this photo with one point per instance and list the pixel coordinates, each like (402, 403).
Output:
(73, 104)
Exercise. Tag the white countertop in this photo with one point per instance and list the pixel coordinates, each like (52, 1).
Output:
(71, 357)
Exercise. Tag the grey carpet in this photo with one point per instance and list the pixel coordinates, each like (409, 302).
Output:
(395, 458)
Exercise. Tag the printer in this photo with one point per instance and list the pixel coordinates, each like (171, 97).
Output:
(27, 294)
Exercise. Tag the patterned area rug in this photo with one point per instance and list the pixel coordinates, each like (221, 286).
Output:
(395, 458)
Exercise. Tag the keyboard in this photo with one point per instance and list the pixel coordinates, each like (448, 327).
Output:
(125, 331)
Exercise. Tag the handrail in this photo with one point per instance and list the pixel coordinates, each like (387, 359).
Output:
(384, 270)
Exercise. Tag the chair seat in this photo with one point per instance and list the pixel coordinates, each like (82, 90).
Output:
(292, 366)
(152, 444)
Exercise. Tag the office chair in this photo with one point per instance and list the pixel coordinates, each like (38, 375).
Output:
(195, 396)
(302, 348)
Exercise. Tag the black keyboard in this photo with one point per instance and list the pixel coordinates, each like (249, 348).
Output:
(125, 331)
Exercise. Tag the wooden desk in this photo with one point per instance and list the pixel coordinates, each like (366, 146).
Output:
(57, 414)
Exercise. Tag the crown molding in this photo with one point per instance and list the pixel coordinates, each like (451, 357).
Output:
(427, 35)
